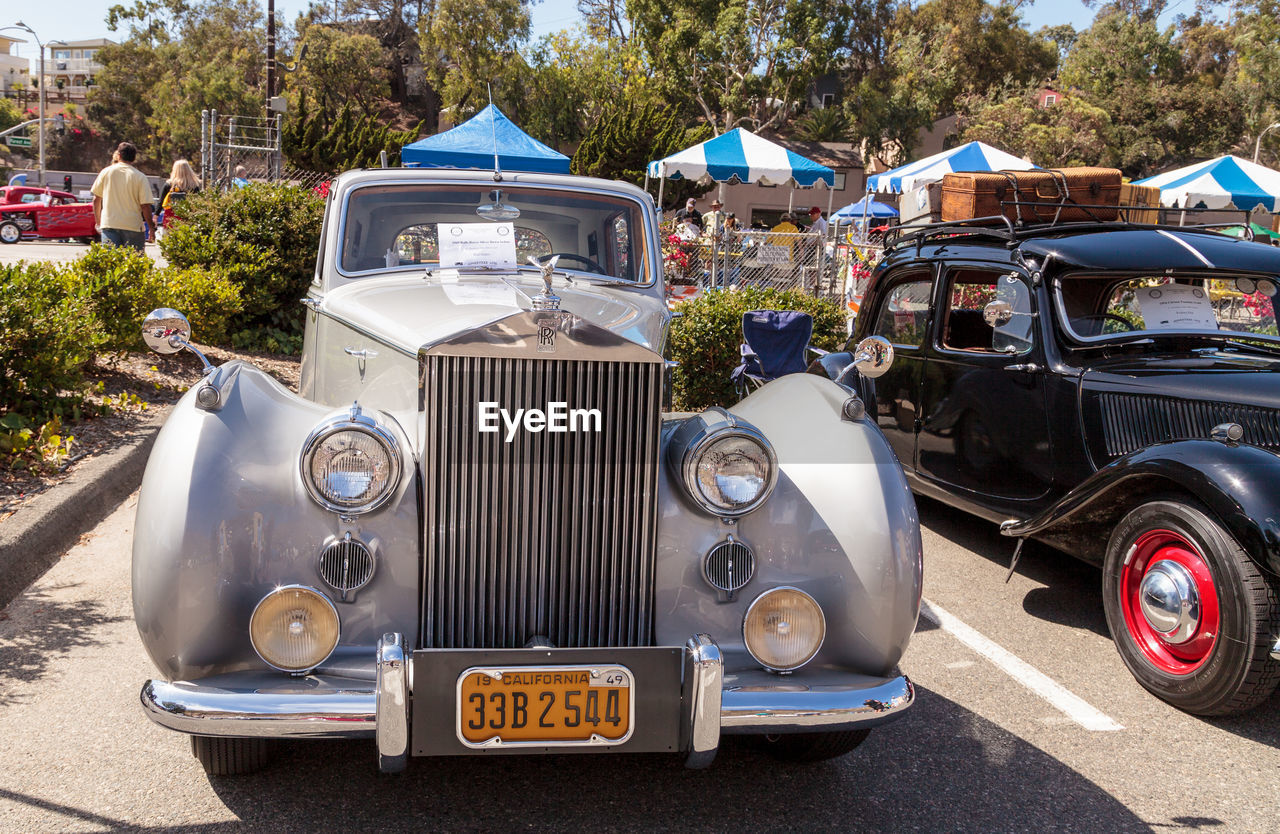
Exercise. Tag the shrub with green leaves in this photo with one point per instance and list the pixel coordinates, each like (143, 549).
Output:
(705, 339)
(262, 237)
(125, 285)
(48, 332)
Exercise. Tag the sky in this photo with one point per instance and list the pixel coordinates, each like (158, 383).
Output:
(82, 19)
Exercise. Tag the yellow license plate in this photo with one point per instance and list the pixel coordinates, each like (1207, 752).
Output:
(545, 705)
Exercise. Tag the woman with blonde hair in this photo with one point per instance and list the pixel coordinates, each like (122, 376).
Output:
(182, 182)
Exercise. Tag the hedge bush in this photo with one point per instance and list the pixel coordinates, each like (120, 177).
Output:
(705, 339)
(48, 332)
(262, 237)
(125, 285)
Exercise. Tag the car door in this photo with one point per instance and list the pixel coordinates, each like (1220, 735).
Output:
(901, 315)
(984, 427)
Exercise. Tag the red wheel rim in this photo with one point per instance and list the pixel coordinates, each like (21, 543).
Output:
(1150, 548)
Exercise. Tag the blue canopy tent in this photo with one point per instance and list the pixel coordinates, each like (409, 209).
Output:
(862, 209)
(472, 145)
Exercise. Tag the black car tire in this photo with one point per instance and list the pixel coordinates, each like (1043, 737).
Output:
(9, 232)
(1219, 670)
(230, 756)
(800, 748)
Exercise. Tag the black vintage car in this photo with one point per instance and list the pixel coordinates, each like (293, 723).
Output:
(1112, 390)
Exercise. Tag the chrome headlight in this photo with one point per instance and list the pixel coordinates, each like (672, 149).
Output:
(730, 471)
(351, 464)
(294, 628)
(784, 628)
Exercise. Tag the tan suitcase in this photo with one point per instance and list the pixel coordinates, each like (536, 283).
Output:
(1032, 196)
(1145, 196)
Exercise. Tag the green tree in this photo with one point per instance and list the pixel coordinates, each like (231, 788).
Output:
(477, 43)
(178, 59)
(1070, 132)
(823, 124)
(10, 115)
(938, 52)
(340, 68)
(1166, 94)
(743, 63)
(622, 142)
(1255, 42)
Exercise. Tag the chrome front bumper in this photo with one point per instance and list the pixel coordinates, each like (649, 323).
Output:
(754, 702)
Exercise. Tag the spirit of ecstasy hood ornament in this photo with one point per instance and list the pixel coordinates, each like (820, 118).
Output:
(547, 299)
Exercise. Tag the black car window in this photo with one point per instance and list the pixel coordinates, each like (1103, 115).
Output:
(969, 293)
(1104, 307)
(904, 312)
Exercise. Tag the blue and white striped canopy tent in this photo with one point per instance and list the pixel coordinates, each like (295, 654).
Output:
(1223, 183)
(975, 156)
(739, 154)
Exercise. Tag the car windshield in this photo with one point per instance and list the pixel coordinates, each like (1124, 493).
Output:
(489, 226)
(1106, 308)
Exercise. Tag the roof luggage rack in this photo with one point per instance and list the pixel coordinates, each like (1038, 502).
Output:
(951, 228)
(1020, 230)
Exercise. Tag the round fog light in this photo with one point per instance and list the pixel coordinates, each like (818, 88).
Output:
(784, 629)
(294, 628)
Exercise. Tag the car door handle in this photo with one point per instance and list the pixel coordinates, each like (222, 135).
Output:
(1025, 367)
(360, 353)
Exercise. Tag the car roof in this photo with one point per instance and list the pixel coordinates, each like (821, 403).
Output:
(1154, 250)
(470, 176)
(1095, 246)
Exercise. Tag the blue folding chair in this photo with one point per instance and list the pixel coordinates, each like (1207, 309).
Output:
(774, 343)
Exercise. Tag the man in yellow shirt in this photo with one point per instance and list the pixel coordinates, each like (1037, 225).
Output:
(122, 201)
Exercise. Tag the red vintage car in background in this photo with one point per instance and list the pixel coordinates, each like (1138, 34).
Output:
(29, 213)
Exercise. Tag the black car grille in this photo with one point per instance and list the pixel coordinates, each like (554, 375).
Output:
(1131, 422)
(550, 535)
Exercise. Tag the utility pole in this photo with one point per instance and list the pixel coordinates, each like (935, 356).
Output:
(271, 51)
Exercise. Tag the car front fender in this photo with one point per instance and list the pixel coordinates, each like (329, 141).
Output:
(840, 524)
(1236, 481)
(223, 518)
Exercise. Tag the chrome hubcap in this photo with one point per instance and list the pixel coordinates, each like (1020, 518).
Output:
(1169, 601)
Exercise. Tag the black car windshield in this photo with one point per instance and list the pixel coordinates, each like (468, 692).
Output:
(458, 225)
(1097, 308)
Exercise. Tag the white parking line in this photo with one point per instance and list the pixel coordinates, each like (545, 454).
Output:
(1070, 704)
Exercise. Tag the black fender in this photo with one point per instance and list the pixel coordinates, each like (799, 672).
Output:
(838, 367)
(1237, 482)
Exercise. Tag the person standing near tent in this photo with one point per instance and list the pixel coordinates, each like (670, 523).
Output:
(713, 221)
(122, 201)
(690, 213)
(786, 232)
(817, 223)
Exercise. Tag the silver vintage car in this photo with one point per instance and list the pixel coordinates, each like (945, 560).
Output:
(476, 531)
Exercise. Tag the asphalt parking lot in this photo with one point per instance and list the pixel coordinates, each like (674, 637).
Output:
(55, 251)
(980, 751)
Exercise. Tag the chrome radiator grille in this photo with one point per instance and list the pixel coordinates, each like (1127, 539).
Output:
(548, 535)
(1132, 422)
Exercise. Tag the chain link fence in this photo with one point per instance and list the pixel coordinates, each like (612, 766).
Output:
(836, 265)
(248, 147)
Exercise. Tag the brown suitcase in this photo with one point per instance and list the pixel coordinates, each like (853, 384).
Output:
(1145, 196)
(1033, 196)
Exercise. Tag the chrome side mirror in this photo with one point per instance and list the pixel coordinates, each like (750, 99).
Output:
(873, 356)
(167, 331)
(997, 312)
